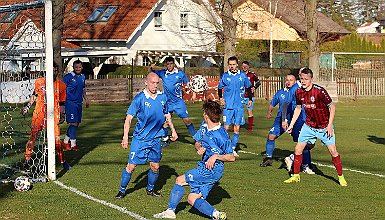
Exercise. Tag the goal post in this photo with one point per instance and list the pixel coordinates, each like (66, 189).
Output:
(26, 54)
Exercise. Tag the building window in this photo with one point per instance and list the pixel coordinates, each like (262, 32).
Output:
(146, 61)
(102, 13)
(252, 26)
(158, 19)
(183, 20)
(9, 17)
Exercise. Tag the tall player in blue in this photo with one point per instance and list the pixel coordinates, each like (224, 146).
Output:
(150, 107)
(75, 88)
(234, 82)
(214, 144)
(173, 80)
(285, 98)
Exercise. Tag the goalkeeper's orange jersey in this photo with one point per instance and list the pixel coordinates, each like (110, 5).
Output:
(39, 114)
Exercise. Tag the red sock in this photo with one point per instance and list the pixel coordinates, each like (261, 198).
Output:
(297, 163)
(250, 120)
(338, 164)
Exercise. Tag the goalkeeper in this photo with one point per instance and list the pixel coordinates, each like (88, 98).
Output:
(39, 116)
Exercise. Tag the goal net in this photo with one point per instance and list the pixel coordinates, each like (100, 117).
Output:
(359, 74)
(22, 61)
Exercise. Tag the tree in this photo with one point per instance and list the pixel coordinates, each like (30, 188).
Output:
(313, 36)
(57, 26)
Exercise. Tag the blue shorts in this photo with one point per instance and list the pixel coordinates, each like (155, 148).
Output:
(73, 112)
(201, 180)
(309, 135)
(143, 151)
(277, 129)
(246, 100)
(233, 116)
(179, 108)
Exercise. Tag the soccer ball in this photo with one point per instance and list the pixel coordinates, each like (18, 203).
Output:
(22, 183)
(198, 83)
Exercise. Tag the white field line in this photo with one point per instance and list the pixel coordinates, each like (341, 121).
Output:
(372, 119)
(330, 166)
(80, 193)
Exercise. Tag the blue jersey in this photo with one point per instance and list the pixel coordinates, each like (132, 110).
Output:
(216, 141)
(150, 113)
(280, 98)
(292, 104)
(198, 136)
(172, 83)
(234, 85)
(75, 85)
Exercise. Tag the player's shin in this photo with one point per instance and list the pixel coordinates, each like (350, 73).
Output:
(270, 146)
(297, 163)
(126, 177)
(191, 129)
(235, 140)
(152, 178)
(175, 196)
(337, 164)
(306, 156)
(250, 121)
(204, 207)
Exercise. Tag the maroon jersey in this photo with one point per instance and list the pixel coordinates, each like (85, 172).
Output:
(316, 103)
(253, 79)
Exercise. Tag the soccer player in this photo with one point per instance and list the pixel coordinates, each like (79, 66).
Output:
(173, 80)
(284, 98)
(255, 84)
(215, 146)
(75, 82)
(234, 82)
(39, 116)
(320, 111)
(150, 107)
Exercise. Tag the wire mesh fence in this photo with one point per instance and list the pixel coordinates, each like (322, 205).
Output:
(22, 47)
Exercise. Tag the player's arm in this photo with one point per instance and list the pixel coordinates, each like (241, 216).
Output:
(225, 158)
(174, 135)
(32, 100)
(151, 68)
(297, 112)
(329, 128)
(284, 115)
(126, 129)
(269, 111)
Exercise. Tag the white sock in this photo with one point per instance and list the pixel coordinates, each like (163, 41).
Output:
(66, 139)
(73, 142)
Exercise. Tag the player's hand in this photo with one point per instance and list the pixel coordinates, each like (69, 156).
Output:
(211, 162)
(62, 118)
(24, 110)
(193, 97)
(252, 89)
(222, 101)
(285, 125)
(249, 103)
(125, 142)
(268, 115)
(87, 103)
(329, 131)
(289, 129)
(174, 136)
(201, 150)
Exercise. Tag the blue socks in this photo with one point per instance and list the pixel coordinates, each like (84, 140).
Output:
(270, 146)
(71, 132)
(234, 140)
(306, 156)
(126, 177)
(152, 178)
(191, 129)
(175, 196)
(204, 207)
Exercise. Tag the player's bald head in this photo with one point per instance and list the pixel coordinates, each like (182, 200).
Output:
(151, 76)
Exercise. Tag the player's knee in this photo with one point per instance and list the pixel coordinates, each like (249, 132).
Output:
(186, 121)
(154, 168)
(74, 124)
(180, 180)
(271, 137)
(192, 197)
(130, 168)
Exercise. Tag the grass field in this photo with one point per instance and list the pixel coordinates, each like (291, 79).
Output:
(246, 190)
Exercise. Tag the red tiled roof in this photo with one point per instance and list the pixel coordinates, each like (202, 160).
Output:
(121, 25)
